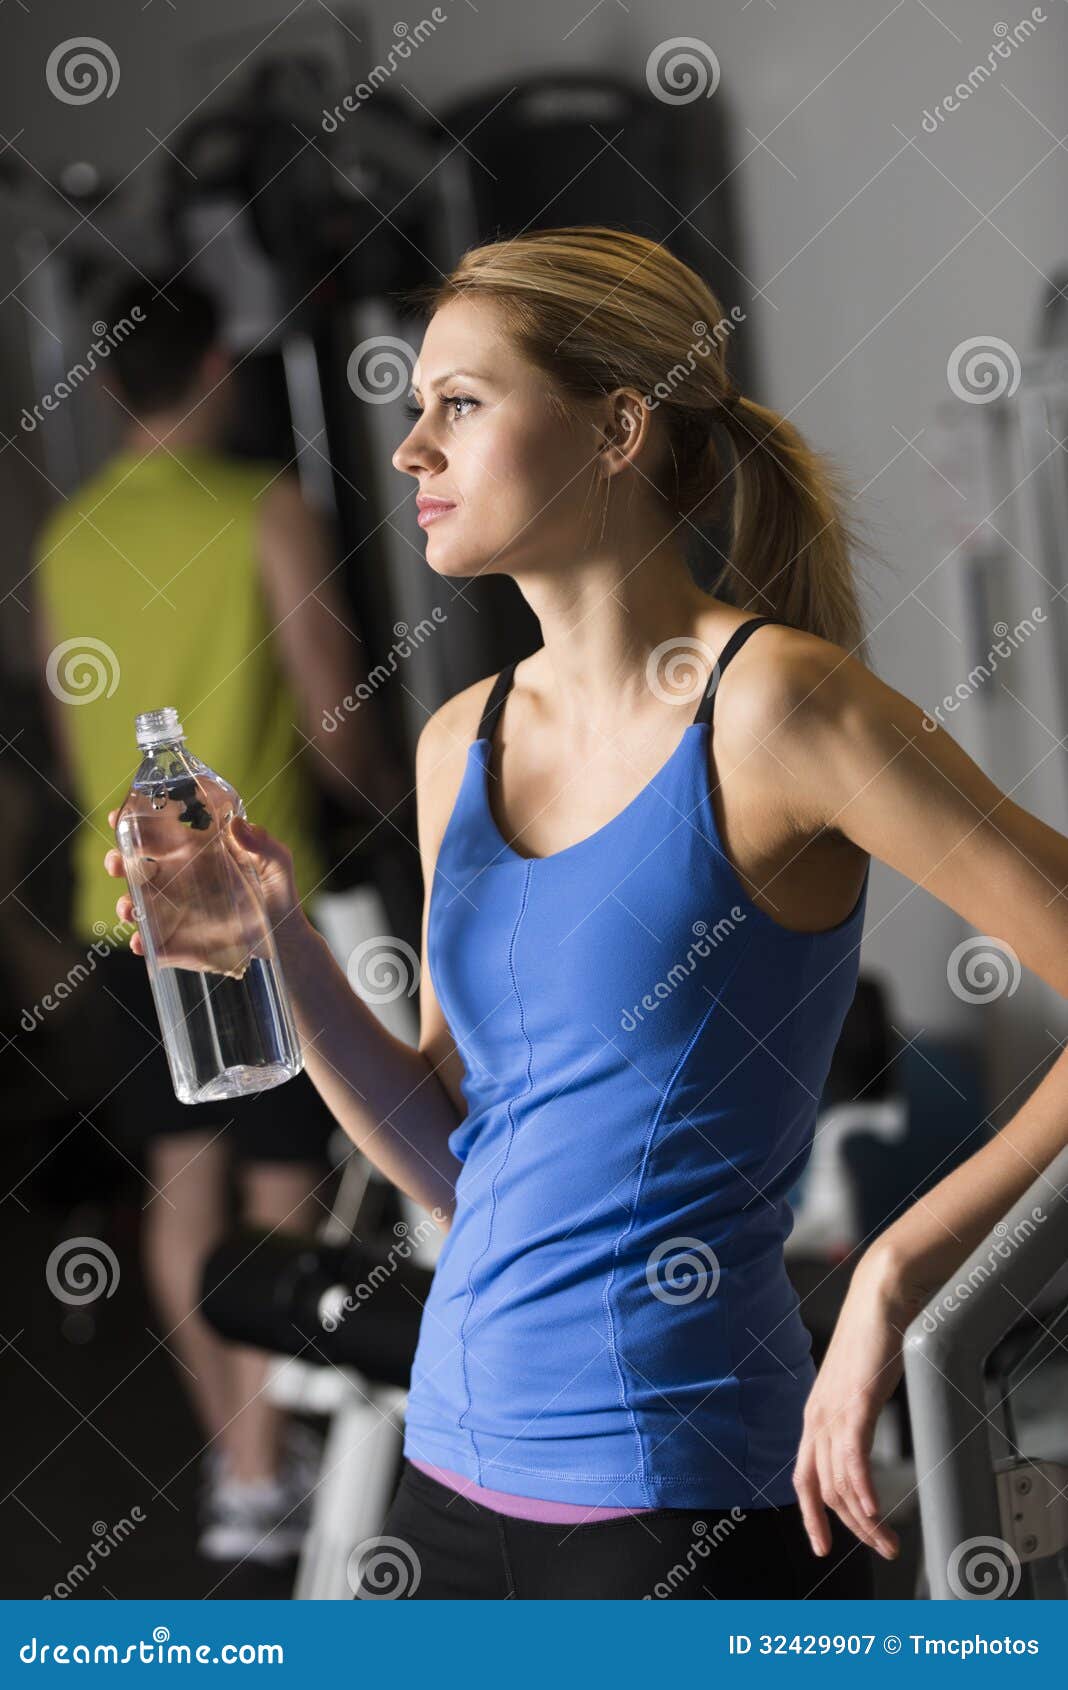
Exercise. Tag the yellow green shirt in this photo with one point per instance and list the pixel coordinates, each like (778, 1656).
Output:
(154, 598)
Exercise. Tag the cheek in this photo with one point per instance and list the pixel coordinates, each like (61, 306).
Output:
(515, 471)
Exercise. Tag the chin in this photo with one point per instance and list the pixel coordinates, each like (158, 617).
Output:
(450, 561)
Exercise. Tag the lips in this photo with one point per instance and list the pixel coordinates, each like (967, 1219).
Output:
(430, 510)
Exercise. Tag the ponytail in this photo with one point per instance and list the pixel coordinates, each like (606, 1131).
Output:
(791, 546)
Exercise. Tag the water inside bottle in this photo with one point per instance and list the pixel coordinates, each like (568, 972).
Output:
(224, 1013)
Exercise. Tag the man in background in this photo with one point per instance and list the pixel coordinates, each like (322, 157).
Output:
(179, 575)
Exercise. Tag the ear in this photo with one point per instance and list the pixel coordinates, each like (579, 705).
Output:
(624, 426)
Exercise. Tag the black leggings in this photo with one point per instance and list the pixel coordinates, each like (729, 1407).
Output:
(436, 1544)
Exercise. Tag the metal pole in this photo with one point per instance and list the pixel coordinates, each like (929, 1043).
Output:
(946, 1348)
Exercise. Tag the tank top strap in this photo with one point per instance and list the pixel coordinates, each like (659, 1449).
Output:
(494, 704)
(733, 645)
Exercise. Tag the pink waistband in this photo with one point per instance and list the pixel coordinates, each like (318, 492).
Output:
(522, 1507)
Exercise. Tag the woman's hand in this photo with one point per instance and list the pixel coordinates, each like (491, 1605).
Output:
(860, 1370)
(203, 942)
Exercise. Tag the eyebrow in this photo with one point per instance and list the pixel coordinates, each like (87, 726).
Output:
(439, 381)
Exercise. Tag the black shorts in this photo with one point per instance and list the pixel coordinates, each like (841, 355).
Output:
(133, 1099)
(438, 1545)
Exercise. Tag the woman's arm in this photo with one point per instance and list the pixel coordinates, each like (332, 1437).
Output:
(866, 761)
(397, 1104)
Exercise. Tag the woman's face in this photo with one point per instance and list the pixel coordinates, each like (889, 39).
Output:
(504, 482)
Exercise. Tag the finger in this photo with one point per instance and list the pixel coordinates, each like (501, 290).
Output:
(113, 864)
(847, 1506)
(851, 1514)
(813, 1512)
(113, 816)
(855, 1462)
(859, 1482)
(858, 1468)
(832, 1495)
(124, 908)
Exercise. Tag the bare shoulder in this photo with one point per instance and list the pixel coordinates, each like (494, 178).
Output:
(788, 705)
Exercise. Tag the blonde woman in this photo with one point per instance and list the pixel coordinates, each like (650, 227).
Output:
(640, 942)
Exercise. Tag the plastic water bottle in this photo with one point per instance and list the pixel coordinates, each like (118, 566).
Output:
(226, 1020)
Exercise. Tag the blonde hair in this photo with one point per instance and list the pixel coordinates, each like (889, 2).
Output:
(598, 309)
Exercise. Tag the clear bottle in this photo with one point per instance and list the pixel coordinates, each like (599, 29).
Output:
(224, 1013)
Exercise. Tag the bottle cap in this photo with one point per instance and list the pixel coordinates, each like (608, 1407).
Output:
(157, 727)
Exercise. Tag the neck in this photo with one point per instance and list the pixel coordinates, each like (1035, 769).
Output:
(168, 431)
(602, 619)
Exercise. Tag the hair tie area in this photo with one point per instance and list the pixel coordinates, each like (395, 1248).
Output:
(732, 399)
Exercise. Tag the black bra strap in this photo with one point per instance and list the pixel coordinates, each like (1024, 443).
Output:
(735, 643)
(499, 691)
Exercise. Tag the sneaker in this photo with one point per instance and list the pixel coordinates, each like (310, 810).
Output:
(252, 1520)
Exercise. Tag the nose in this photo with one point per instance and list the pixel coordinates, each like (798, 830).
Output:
(417, 454)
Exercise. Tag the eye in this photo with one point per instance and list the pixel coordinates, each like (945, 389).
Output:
(448, 401)
(458, 399)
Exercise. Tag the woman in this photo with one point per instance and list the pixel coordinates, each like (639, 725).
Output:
(639, 949)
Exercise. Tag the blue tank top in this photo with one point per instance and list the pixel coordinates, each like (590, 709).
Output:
(610, 1320)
